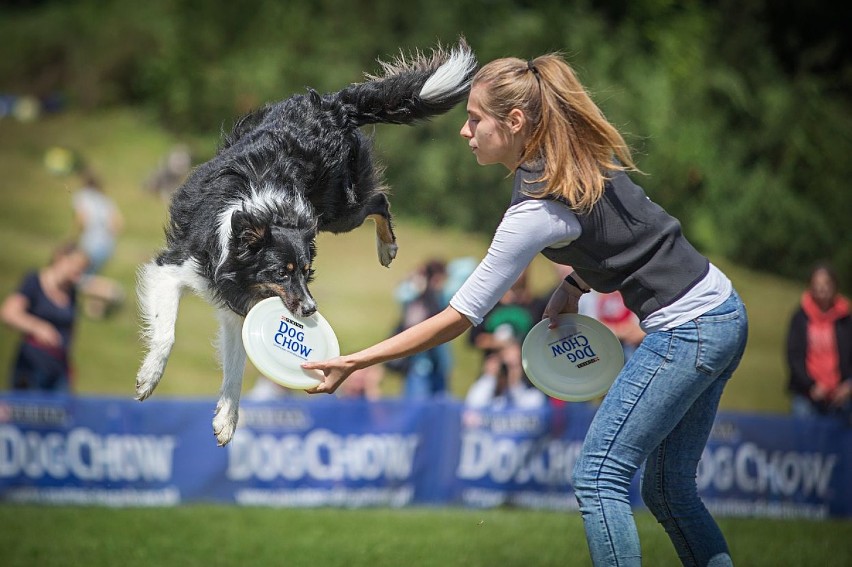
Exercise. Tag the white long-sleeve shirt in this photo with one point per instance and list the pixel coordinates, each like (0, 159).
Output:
(530, 226)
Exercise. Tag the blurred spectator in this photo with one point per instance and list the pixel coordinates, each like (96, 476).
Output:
(98, 223)
(502, 383)
(422, 296)
(819, 349)
(265, 390)
(499, 337)
(511, 319)
(171, 173)
(609, 309)
(458, 270)
(43, 310)
(364, 383)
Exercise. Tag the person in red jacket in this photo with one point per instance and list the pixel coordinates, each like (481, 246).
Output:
(819, 349)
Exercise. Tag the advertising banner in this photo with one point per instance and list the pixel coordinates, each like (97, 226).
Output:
(776, 466)
(352, 453)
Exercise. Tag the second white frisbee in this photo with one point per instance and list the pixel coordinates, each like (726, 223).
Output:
(278, 342)
(576, 362)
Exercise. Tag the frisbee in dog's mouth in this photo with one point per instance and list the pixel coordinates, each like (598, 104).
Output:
(278, 342)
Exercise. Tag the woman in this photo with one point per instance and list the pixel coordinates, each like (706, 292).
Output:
(574, 202)
(43, 310)
(819, 349)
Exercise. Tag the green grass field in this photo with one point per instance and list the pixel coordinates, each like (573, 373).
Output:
(214, 535)
(355, 294)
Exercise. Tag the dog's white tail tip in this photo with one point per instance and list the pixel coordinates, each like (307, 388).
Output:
(452, 77)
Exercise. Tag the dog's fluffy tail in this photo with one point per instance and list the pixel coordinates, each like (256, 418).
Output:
(415, 88)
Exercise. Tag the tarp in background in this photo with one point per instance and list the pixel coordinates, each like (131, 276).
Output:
(351, 453)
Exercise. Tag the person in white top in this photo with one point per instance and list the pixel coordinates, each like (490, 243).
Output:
(574, 202)
(98, 221)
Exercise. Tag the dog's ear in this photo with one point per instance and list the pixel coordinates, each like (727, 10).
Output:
(250, 234)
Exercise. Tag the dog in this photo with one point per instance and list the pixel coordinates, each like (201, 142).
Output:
(242, 227)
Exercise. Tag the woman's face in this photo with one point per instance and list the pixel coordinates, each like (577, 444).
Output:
(490, 141)
(823, 289)
(71, 267)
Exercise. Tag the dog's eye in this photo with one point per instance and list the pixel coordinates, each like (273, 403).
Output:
(284, 274)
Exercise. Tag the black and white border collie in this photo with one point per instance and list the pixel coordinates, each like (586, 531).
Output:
(243, 226)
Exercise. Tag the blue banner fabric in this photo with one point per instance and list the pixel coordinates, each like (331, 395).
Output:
(351, 453)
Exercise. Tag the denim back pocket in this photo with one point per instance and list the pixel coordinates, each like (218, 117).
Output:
(721, 337)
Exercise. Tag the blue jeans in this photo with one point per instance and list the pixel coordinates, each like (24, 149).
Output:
(659, 412)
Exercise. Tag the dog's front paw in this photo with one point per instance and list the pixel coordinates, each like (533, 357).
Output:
(143, 392)
(225, 423)
(387, 251)
(145, 384)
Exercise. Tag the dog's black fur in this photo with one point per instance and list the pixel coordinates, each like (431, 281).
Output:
(243, 226)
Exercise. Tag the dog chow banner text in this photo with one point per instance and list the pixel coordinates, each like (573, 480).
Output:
(304, 452)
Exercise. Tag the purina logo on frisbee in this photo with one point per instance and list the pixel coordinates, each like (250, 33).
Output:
(576, 348)
(290, 338)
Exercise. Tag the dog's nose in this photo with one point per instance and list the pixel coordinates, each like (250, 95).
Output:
(308, 309)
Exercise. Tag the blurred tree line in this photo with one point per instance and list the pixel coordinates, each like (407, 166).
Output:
(738, 110)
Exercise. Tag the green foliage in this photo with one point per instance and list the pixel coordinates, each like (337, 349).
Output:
(751, 156)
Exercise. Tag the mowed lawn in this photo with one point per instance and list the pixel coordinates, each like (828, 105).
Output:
(209, 536)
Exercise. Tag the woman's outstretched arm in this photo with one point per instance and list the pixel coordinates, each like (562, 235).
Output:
(438, 329)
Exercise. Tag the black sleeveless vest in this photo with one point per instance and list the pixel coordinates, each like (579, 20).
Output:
(628, 244)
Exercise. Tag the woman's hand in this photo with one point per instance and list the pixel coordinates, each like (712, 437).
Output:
(565, 299)
(46, 334)
(335, 371)
(819, 393)
(841, 395)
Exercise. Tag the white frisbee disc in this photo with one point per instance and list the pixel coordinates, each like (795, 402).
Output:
(576, 362)
(278, 342)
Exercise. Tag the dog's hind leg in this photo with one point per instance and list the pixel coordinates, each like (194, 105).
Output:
(159, 288)
(378, 209)
(233, 366)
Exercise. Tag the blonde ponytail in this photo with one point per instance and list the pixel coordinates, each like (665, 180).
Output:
(567, 131)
